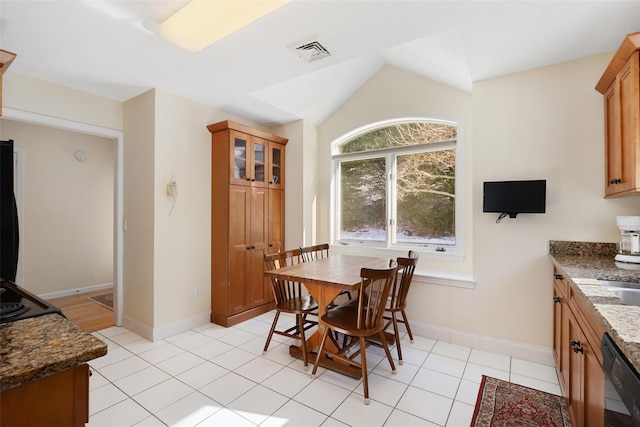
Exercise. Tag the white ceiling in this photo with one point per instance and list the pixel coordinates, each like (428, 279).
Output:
(110, 48)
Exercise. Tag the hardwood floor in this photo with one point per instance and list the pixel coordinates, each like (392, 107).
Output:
(85, 313)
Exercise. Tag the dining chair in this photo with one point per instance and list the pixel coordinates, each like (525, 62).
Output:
(290, 298)
(397, 301)
(314, 252)
(360, 321)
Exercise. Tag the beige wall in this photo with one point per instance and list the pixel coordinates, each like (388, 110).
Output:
(67, 229)
(540, 124)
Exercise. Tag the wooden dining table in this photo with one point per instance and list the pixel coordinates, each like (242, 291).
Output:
(325, 278)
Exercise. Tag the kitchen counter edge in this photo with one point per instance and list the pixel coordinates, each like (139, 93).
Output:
(37, 347)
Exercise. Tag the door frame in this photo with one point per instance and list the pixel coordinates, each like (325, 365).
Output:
(118, 137)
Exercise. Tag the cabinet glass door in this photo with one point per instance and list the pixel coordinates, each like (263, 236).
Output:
(240, 158)
(276, 180)
(259, 161)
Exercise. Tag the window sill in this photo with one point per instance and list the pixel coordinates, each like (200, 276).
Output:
(458, 281)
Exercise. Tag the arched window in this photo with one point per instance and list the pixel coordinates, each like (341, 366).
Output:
(395, 185)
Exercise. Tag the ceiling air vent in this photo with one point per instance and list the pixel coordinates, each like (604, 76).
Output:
(312, 51)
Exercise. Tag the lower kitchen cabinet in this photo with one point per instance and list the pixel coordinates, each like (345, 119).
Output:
(577, 336)
(60, 399)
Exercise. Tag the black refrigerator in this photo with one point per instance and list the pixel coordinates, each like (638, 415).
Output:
(9, 234)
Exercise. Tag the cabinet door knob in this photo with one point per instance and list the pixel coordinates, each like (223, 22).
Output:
(557, 299)
(558, 276)
(576, 346)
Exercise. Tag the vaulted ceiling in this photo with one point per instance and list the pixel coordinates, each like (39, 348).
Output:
(111, 48)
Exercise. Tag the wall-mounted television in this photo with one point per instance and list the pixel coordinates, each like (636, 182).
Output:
(514, 197)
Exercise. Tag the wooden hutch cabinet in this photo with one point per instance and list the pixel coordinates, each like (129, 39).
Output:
(247, 219)
(620, 85)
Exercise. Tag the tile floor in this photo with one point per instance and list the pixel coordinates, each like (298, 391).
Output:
(215, 376)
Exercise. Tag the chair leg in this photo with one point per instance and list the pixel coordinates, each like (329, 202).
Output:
(386, 350)
(320, 351)
(406, 323)
(397, 337)
(300, 319)
(273, 328)
(363, 364)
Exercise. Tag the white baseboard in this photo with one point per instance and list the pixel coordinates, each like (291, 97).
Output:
(515, 349)
(151, 333)
(76, 291)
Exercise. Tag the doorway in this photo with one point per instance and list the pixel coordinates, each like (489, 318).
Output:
(117, 137)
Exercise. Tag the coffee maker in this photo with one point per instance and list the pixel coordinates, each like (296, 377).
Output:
(629, 246)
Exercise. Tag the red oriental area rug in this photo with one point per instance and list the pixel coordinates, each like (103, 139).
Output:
(501, 403)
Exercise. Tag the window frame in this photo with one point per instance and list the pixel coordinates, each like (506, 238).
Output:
(452, 252)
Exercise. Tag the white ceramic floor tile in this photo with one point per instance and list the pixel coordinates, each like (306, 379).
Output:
(534, 370)
(383, 390)
(237, 338)
(257, 404)
(151, 421)
(492, 360)
(460, 415)
(421, 343)
(332, 422)
(112, 356)
(436, 382)
(233, 358)
(125, 413)
(104, 397)
(451, 350)
(226, 417)
(427, 405)
(402, 419)
(211, 349)
(410, 354)
(258, 369)
(143, 345)
(339, 379)
(123, 368)
(404, 373)
(294, 414)
(355, 413)
(537, 384)
(254, 346)
(474, 372)
(192, 341)
(162, 395)
(468, 392)
(446, 365)
(126, 338)
(188, 411)
(201, 375)
(142, 380)
(227, 388)
(96, 380)
(216, 331)
(332, 396)
(180, 363)
(287, 381)
(180, 336)
(159, 354)
(113, 331)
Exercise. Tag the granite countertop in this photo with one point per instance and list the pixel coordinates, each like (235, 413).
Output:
(34, 348)
(583, 264)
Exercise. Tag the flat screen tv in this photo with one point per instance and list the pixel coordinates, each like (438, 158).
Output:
(514, 197)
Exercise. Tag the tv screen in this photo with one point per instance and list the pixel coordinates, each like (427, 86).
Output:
(514, 197)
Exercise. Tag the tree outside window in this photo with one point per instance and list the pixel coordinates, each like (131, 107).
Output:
(396, 185)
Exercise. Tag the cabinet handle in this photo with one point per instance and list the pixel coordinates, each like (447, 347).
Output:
(576, 346)
(615, 181)
(558, 276)
(557, 299)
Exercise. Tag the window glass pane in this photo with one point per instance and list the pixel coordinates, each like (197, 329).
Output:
(425, 196)
(362, 190)
(399, 135)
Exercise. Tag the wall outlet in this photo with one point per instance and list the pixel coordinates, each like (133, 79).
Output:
(196, 290)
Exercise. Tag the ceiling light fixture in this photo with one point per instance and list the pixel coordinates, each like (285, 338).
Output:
(203, 22)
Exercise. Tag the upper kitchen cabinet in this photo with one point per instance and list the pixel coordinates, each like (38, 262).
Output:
(620, 85)
(6, 58)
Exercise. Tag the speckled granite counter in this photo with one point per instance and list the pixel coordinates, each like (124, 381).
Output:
(583, 264)
(34, 348)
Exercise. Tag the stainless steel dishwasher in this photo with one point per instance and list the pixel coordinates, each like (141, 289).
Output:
(621, 387)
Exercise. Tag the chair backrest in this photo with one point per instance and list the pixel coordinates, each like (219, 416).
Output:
(283, 289)
(374, 290)
(400, 289)
(311, 253)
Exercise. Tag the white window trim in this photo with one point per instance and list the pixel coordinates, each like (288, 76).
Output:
(456, 253)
